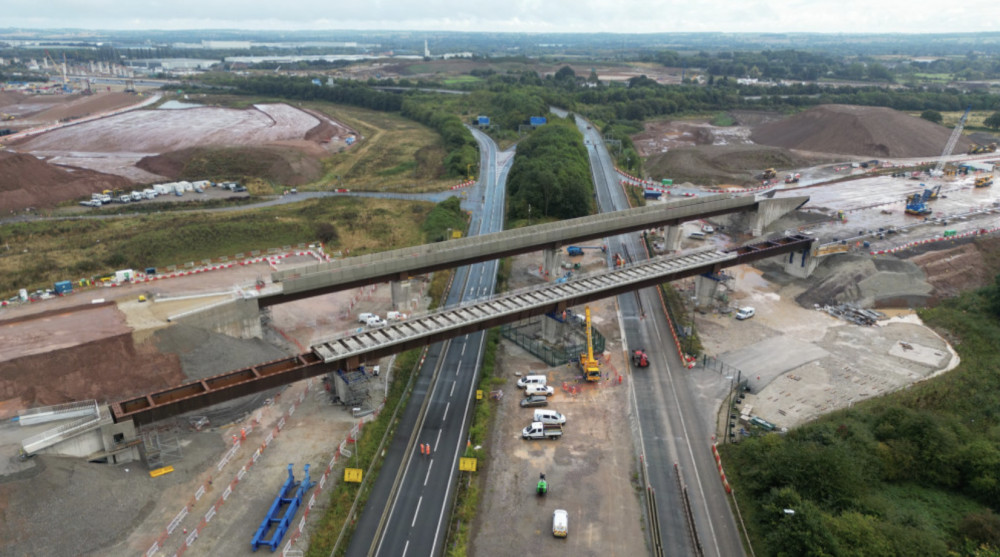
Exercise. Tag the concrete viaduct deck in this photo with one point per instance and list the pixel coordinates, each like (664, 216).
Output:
(401, 264)
(346, 352)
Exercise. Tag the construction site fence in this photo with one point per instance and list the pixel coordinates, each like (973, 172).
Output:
(716, 365)
(552, 355)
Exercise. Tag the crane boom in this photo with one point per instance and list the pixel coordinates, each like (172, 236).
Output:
(951, 143)
(591, 368)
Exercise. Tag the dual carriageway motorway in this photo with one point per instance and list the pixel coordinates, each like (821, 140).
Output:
(407, 513)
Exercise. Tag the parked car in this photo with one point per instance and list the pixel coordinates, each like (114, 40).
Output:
(376, 322)
(560, 523)
(364, 317)
(745, 313)
(543, 390)
(534, 400)
(531, 380)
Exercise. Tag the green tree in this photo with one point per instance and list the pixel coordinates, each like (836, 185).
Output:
(992, 121)
(931, 116)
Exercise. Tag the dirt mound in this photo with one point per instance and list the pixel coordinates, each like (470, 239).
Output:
(858, 130)
(31, 182)
(282, 165)
(721, 164)
(971, 265)
(106, 370)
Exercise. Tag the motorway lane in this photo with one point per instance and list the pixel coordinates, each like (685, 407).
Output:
(671, 426)
(417, 520)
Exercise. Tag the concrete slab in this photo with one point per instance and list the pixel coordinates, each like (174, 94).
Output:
(772, 357)
(925, 355)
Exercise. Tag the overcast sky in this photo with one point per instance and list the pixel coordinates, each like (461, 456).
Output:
(617, 16)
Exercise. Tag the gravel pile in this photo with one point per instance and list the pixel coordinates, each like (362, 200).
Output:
(858, 130)
(865, 282)
(205, 353)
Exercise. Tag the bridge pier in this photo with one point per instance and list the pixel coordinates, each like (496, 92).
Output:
(799, 264)
(400, 294)
(672, 238)
(550, 330)
(550, 265)
(705, 288)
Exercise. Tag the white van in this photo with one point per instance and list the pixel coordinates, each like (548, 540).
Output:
(376, 322)
(364, 317)
(395, 316)
(539, 380)
(560, 523)
(697, 236)
(549, 417)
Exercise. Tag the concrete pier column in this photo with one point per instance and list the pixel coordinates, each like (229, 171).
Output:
(799, 264)
(705, 288)
(400, 294)
(550, 266)
(672, 238)
(550, 329)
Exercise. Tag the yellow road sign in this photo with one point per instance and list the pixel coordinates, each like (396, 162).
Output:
(352, 475)
(467, 464)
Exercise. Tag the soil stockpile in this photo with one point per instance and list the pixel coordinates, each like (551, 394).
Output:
(282, 165)
(864, 131)
(105, 370)
(721, 164)
(26, 181)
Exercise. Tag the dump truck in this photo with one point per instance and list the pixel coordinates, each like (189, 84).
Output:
(538, 430)
(769, 173)
(984, 181)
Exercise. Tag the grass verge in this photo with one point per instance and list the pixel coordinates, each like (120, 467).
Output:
(36, 254)
(342, 497)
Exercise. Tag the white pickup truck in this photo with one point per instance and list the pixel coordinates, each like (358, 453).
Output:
(538, 430)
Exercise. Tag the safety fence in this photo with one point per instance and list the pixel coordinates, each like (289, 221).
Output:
(553, 355)
(464, 184)
(903, 247)
(189, 537)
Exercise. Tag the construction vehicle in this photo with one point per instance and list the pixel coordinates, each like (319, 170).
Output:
(915, 205)
(578, 250)
(590, 367)
(938, 168)
(792, 178)
(5, 116)
(640, 359)
(984, 181)
(931, 193)
(769, 173)
(538, 430)
(977, 149)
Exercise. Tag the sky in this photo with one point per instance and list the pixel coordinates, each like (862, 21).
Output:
(538, 16)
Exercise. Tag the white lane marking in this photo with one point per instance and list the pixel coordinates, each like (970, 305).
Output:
(438, 440)
(405, 547)
(417, 512)
(431, 465)
(452, 388)
(463, 353)
(446, 407)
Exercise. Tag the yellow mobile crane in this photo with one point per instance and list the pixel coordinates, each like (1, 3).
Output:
(590, 367)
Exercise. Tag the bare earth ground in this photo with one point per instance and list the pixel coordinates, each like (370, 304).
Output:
(35, 495)
(590, 470)
(115, 144)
